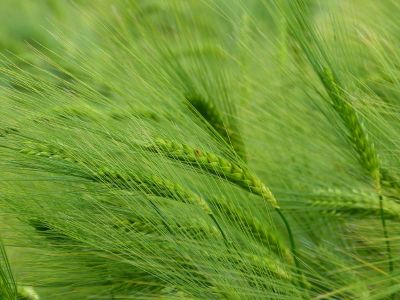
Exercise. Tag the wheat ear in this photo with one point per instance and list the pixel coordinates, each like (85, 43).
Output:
(357, 134)
(360, 140)
(214, 164)
(353, 202)
(152, 184)
(227, 170)
(211, 115)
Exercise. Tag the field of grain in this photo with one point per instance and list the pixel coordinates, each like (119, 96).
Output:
(199, 149)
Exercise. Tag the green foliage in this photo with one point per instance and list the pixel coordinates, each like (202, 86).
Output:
(167, 149)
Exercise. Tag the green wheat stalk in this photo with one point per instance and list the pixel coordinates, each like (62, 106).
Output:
(357, 134)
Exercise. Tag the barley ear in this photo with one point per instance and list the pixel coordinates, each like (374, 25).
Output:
(214, 164)
(210, 114)
(150, 184)
(357, 134)
(353, 203)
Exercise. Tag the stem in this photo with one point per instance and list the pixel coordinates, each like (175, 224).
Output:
(386, 236)
(219, 228)
(292, 245)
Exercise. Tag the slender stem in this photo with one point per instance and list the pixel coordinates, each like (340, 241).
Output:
(218, 226)
(386, 236)
(292, 245)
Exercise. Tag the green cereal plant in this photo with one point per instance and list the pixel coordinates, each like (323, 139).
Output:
(214, 164)
(150, 184)
(353, 203)
(230, 149)
(225, 169)
(304, 33)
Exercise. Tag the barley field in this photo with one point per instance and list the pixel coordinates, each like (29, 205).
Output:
(199, 149)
